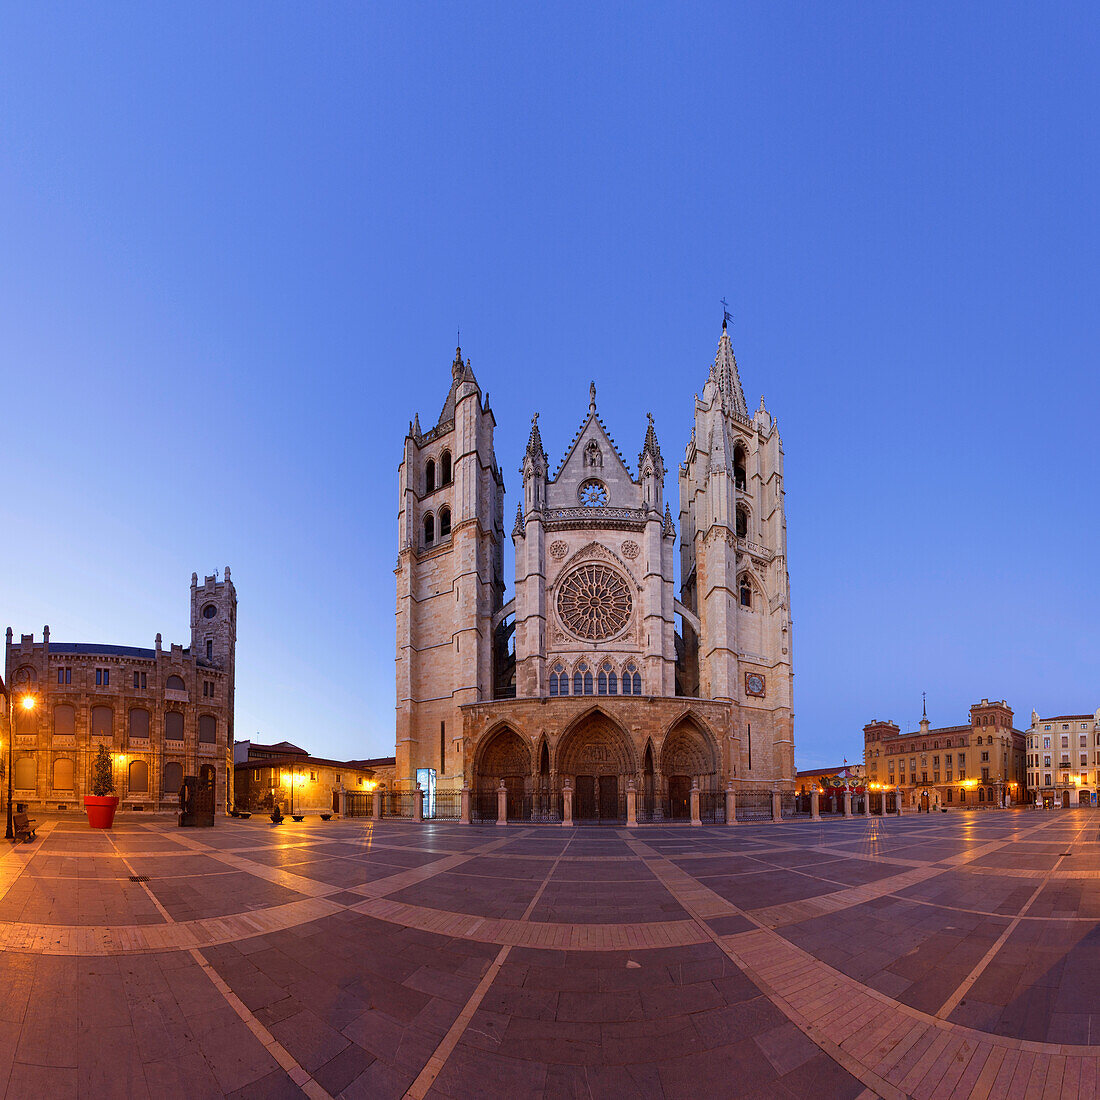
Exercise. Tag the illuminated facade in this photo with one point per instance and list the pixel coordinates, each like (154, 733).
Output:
(977, 764)
(1063, 758)
(162, 713)
(598, 673)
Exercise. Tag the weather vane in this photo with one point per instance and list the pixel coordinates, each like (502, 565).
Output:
(726, 318)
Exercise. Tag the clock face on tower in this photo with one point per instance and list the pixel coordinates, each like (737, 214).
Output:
(593, 494)
(754, 683)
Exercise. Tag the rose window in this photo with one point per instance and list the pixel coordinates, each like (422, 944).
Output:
(593, 494)
(594, 602)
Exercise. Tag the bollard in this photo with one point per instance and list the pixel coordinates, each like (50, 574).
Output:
(731, 804)
(631, 805)
(694, 800)
(502, 804)
(464, 813)
(567, 804)
(815, 805)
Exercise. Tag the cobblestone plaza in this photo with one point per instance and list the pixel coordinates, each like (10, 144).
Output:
(931, 955)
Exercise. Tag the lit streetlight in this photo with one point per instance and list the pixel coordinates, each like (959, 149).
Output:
(26, 702)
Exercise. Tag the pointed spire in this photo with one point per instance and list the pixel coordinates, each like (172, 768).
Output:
(535, 450)
(724, 372)
(668, 528)
(414, 427)
(720, 450)
(652, 448)
(517, 528)
(591, 397)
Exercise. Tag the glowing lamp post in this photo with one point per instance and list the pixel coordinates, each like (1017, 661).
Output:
(27, 704)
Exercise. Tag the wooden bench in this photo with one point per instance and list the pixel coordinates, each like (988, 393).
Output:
(25, 827)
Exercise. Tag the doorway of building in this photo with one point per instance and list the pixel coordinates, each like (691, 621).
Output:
(597, 798)
(1065, 800)
(924, 801)
(679, 797)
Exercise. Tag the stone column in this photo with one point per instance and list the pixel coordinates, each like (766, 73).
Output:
(464, 813)
(777, 807)
(658, 796)
(376, 804)
(847, 802)
(343, 801)
(899, 801)
(631, 805)
(731, 804)
(815, 805)
(418, 804)
(693, 799)
(502, 804)
(567, 804)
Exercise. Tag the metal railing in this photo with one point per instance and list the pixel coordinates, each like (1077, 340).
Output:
(398, 803)
(791, 805)
(359, 803)
(483, 806)
(448, 806)
(754, 806)
(712, 807)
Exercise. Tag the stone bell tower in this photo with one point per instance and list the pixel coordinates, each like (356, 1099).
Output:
(214, 631)
(733, 564)
(450, 577)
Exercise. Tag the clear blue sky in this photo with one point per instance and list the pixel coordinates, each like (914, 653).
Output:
(236, 242)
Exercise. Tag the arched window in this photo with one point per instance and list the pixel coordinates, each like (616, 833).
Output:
(172, 779)
(429, 476)
(208, 729)
(578, 678)
(429, 530)
(601, 682)
(64, 720)
(139, 777)
(744, 586)
(742, 523)
(26, 773)
(63, 774)
(739, 466)
(28, 674)
(981, 794)
(102, 722)
(444, 523)
(173, 726)
(445, 469)
(612, 683)
(632, 680)
(559, 681)
(175, 683)
(139, 722)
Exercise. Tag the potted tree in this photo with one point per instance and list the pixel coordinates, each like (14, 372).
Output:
(101, 804)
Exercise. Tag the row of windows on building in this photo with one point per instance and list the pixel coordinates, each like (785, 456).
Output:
(1082, 740)
(102, 723)
(141, 680)
(606, 681)
(64, 775)
(935, 745)
(435, 477)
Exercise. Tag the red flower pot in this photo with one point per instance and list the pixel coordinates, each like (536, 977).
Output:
(100, 810)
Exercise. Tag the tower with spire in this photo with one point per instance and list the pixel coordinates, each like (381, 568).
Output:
(450, 577)
(733, 569)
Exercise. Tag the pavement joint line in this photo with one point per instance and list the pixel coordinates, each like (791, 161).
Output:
(276, 1049)
(967, 983)
(434, 1066)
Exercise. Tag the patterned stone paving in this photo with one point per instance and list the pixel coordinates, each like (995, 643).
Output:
(927, 956)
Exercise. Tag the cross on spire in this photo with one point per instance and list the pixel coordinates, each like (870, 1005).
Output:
(726, 316)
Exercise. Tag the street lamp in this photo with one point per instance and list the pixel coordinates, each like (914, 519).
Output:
(27, 703)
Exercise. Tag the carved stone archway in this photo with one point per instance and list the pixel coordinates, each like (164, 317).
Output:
(599, 758)
(688, 755)
(504, 757)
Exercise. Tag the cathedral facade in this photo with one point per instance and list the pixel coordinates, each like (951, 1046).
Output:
(602, 672)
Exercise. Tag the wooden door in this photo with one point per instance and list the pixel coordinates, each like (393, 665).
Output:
(924, 802)
(609, 797)
(679, 797)
(585, 809)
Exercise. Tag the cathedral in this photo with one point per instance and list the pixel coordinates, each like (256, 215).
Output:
(601, 673)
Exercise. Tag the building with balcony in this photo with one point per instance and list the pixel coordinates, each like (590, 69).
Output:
(1063, 759)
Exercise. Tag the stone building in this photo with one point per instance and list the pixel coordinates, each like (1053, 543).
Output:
(977, 764)
(1063, 759)
(601, 671)
(284, 775)
(162, 713)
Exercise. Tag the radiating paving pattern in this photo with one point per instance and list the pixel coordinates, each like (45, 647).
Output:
(931, 956)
